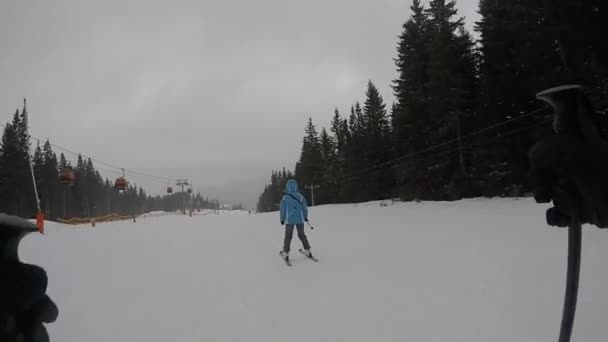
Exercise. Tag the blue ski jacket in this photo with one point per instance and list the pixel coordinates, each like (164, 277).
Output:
(294, 209)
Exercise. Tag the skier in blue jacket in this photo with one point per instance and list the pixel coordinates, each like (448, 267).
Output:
(294, 212)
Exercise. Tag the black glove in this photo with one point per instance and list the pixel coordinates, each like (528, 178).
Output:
(571, 168)
(574, 175)
(306, 219)
(24, 306)
(282, 223)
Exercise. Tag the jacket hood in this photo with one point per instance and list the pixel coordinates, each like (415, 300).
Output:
(291, 186)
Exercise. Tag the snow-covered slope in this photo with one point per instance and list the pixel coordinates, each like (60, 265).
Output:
(473, 270)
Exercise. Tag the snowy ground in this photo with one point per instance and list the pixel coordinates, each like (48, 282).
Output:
(474, 270)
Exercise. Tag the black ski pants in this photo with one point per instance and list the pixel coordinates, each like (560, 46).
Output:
(289, 235)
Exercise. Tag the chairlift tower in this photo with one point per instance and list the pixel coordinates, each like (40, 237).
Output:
(182, 183)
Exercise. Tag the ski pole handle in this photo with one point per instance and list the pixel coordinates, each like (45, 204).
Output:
(571, 118)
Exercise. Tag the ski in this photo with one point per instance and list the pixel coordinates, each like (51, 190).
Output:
(309, 257)
(286, 260)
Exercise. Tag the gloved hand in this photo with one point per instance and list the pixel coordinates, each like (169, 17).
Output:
(306, 219)
(572, 173)
(282, 223)
(24, 306)
(570, 168)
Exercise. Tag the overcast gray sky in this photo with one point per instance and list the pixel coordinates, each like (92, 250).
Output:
(215, 91)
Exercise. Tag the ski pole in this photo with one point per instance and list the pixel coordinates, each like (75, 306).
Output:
(574, 266)
(311, 227)
(570, 119)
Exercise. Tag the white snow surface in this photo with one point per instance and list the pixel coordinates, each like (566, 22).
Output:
(473, 270)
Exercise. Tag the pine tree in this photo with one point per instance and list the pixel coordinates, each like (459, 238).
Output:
(64, 192)
(341, 137)
(412, 66)
(7, 156)
(518, 59)
(16, 179)
(309, 169)
(63, 162)
(336, 129)
(327, 193)
(328, 149)
(353, 156)
(451, 79)
(377, 183)
(412, 122)
(361, 121)
(78, 198)
(51, 201)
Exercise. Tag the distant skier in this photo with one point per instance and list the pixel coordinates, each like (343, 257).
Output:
(294, 212)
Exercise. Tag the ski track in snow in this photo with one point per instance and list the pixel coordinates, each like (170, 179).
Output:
(486, 270)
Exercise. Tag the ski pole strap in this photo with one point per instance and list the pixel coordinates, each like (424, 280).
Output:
(294, 197)
(572, 279)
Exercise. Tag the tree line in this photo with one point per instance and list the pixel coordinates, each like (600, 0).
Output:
(465, 113)
(90, 195)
